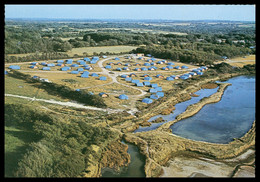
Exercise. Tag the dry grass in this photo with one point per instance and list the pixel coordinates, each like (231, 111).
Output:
(91, 50)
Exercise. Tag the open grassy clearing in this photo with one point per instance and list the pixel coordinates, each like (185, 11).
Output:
(104, 49)
(20, 87)
(240, 61)
(76, 81)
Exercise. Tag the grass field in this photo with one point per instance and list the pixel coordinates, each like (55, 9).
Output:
(20, 87)
(104, 49)
(240, 61)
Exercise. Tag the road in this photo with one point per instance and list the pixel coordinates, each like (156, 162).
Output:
(68, 104)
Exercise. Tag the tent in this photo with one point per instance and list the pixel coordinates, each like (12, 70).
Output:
(144, 69)
(147, 100)
(108, 67)
(146, 83)
(46, 68)
(51, 64)
(60, 61)
(66, 68)
(160, 94)
(94, 75)
(154, 97)
(148, 78)
(184, 67)
(84, 75)
(139, 84)
(103, 78)
(128, 79)
(80, 69)
(14, 67)
(118, 69)
(135, 81)
(123, 97)
(154, 85)
(74, 72)
(74, 65)
(169, 78)
(152, 90)
(158, 89)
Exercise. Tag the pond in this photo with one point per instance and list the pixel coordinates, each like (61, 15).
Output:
(135, 167)
(179, 108)
(229, 118)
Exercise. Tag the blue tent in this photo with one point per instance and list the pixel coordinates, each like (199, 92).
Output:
(169, 67)
(118, 69)
(80, 61)
(86, 59)
(108, 67)
(147, 83)
(34, 63)
(69, 61)
(147, 64)
(139, 84)
(60, 61)
(148, 78)
(66, 68)
(135, 81)
(147, 100)
(184, 67)
(77, 90)
(144, 69)
(160, 94)
(177, 67)
(125, 68)
(95, 58)
(128, 79)
(84, 75)
(152, 90)
(74, 65)
(200, 73)
(74, 72)
(154, 97)
(59, 64)
(46, 68)
(88, 68)
(93, 61)
(80, 69)
(183, 77)
(51, 64)
(148, 55)
(117, 58)
(154, 85)
(136, 69)
(32, 66)
(43, 63)
(86, 72)
(170, 63)
(14, 67)
(153, 59)
(123, 76)
(94, 75)
(103, 78)
(83, 63)
(123, 97)
(170, 78)
(158, 89)
(165, 68)
(6, 72)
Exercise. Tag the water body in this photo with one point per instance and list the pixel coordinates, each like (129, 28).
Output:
(229, 118)
(180, 108)
(135, 167)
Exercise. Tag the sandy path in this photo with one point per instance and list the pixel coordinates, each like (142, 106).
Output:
(69, 104)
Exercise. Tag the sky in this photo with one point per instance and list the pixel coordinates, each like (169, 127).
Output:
(144, 11)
